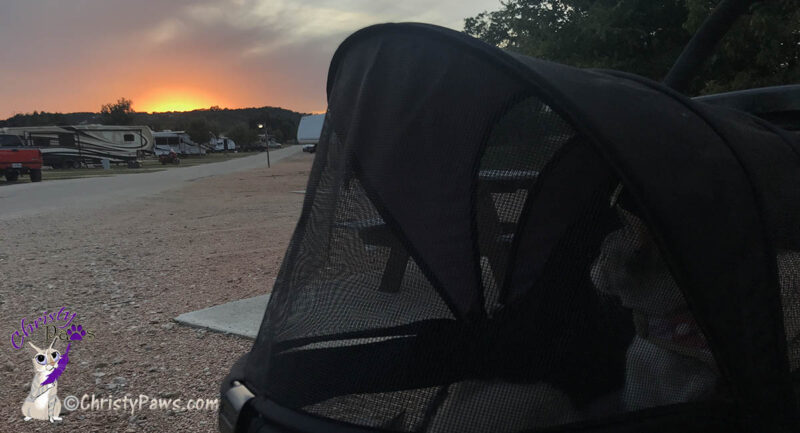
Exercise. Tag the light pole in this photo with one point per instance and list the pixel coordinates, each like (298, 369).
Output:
(266, 140)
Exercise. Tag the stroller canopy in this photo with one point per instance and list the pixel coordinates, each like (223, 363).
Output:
(491, 242)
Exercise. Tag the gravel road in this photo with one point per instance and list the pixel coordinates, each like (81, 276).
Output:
(127, 270)
(28, 199)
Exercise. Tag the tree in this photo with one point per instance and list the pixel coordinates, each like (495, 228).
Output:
(646, 36)
(36, 118)
(761, 49)
(199, 130)
(119, 113)
(221, 120)
(242, 135)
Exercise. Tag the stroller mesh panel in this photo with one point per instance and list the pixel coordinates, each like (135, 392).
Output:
(669, 359)
(789, 281)
(340, 282)
(399, 411)
(604, 328)
(521, 143)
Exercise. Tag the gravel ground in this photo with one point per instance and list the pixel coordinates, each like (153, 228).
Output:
(127, 271)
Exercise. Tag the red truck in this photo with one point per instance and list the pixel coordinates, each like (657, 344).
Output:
(17, 159)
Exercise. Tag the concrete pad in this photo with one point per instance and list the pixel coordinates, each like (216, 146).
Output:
(242, 317)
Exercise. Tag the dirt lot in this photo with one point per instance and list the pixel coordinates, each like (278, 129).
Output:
(127, 271)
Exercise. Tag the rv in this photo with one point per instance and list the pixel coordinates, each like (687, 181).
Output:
(267, 140)
(222, 144)
(178, 141)
(73, 146)
(309, 130)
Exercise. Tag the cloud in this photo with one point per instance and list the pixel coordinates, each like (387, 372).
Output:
(76, 55)
(165, 31)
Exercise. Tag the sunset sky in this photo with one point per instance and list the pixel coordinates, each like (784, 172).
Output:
(75, 55)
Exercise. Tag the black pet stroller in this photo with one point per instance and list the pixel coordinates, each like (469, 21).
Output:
(495, 243)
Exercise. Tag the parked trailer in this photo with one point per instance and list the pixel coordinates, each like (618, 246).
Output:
(178, 141)
(222, 144)
(73, 146)
(309, 130)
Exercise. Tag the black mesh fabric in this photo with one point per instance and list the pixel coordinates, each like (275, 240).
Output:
(519, 146)
(493, 243)
(771, 157)
(789, 280)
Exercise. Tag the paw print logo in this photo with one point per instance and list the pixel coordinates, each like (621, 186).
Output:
(76, 333)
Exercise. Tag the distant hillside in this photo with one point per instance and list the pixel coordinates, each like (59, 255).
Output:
(281, 123)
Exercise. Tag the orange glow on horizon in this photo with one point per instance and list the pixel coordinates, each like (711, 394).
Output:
(162, 100)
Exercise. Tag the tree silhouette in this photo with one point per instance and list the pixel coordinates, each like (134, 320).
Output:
(119, 113)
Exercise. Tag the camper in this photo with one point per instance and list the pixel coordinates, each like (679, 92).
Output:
(309, 131)
(310, 128)
(178, 141)
(267, 140)
(73, 146)
(222, 144)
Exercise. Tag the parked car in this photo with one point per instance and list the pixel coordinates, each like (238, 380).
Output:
(310, 148)
(17, 159)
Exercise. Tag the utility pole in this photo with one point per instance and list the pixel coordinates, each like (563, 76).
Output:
(266, 139)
